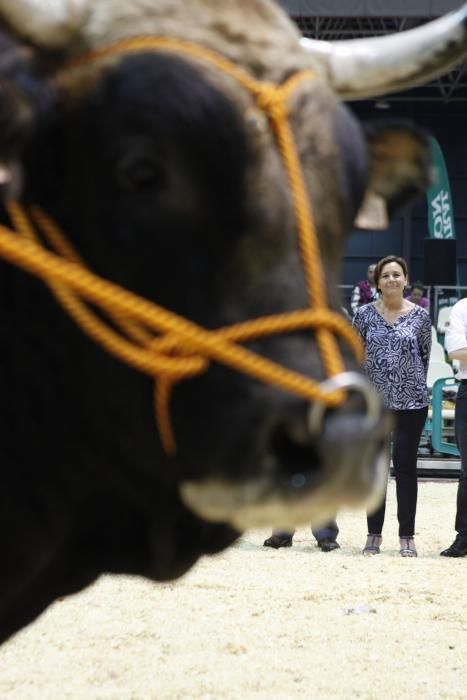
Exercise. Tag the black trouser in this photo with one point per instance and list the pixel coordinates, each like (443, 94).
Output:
(461, 437)
(406, 436)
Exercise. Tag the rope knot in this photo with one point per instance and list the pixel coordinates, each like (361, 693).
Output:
(182, 362)
(272, 101)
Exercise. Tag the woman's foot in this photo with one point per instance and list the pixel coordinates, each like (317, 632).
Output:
(407, 547)
(373, 543)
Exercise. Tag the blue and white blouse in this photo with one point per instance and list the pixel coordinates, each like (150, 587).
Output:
(396, 356)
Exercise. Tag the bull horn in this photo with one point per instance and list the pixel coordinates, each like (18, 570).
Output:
(47, 23)
(363, 68)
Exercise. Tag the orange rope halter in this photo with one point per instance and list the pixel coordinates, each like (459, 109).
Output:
(157, 341)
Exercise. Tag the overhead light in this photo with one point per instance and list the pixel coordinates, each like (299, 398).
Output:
(382, 104)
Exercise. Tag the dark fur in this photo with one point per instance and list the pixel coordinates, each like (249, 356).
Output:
(82, 469)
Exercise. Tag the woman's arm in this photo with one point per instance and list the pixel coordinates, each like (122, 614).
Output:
(425, 340)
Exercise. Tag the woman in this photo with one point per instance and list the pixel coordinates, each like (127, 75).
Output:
(397, 337)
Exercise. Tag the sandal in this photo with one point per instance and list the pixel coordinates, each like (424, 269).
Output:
(373, 543)
(407, 547)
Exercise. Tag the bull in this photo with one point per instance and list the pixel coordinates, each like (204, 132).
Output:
(195, 176)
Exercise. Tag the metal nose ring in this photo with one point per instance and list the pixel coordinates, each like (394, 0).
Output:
(347, 381)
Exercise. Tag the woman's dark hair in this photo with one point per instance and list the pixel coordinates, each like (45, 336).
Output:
(385, 261)
(418, 285)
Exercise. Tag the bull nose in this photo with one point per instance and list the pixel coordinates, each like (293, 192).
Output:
(354, 453)
(342, 449)
(353, 439)
(307, 469)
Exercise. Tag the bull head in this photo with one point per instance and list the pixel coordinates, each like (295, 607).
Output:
(266, 45)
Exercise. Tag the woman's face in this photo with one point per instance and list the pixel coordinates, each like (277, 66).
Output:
(392, 279)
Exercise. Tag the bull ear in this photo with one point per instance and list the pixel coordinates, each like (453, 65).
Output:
(400, 170)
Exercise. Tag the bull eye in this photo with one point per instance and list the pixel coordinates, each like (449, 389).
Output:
(140, 173)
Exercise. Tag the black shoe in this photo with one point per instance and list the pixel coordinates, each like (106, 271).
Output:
(457, 549)
(327, 544)
(278, 540)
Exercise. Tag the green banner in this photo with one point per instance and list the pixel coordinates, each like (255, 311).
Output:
(440, 210)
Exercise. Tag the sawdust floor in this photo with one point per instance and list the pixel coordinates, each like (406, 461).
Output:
(263, 624)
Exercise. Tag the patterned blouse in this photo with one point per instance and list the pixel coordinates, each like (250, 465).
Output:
(397, 355)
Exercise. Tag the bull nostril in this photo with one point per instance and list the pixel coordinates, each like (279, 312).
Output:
(329, 448)
(294, 452)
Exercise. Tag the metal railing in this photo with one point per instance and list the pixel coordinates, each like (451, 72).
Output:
(439, 296)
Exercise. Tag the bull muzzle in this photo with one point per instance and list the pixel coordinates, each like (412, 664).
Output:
(316, 462)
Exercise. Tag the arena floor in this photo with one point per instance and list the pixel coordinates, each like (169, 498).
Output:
(254, 623)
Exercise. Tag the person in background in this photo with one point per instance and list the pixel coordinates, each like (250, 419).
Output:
(364, 291)
(416, 296)
(326, 538)
(455, 343)
(397, 338)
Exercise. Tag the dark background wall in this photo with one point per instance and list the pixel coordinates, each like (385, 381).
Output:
(448, 124)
